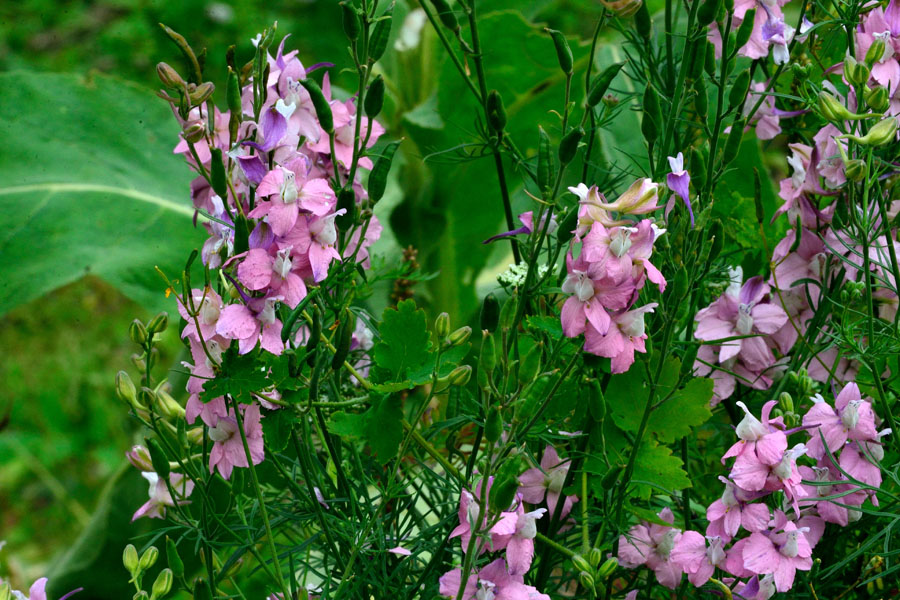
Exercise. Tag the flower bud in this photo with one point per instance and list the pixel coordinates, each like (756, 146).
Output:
(137, 332)
(130, 558)
(195, 435)
(460, 336)
(158, 323)
(168, 406)
(856, 170)
(875, 52)
(148, 558)
(881, 133)
(878, 98)
(125, 389)
(582, 564)
(622, 8)
(175, 562)
(162, 585)
(194, 131)
(586, 580)
(786, 402)
(169, 76)
(139, 458)
(496, 112)
(490, 313)
(460, 375)
(442, 325)
(201, 93)
(595, 555)
(607, 568)
(374, 101)
(857, 73)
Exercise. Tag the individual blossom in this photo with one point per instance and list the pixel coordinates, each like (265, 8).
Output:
(627, 334)
(736, 509)
(547, 480)
(764, 439)
(624, 252)
(651, 544)
(288, 193)
(678, 181)
(470, 509)
(780, 553)
(640, 198)
(251, 323)
(851, 418)
(493, 582)
(527, 220)
(593, 291)
(271, 272)
(161, 497)
(756, 588)
(228, 447)
(520, 546)
(767, 117)
(828, 482)
(699, 556)
(883, 24)
(37, 591)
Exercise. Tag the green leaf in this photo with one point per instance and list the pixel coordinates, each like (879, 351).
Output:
(277, 428)
(239, 377)
(92, 187)
(655, 468)
(687, 408)
(405, 345)
(380, 426)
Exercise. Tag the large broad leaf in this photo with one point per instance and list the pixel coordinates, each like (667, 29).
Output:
(89, 184)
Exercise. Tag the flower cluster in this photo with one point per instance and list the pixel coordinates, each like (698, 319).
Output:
(612, 266)
(511, 531)
(770, 32)
(779, 536)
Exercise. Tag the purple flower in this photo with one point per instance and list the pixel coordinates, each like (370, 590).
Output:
(678, 181)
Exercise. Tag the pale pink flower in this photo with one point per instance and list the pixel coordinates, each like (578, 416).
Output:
(493, 582)
(626, 335)
(764, 439)
(780, 554)
(593, 292)
(698, 556)
(851, 418)
(734, 510)
(652, 545)
(469, 511)
(228, 448)
(256, 322)
(549, 479)
(160, 498)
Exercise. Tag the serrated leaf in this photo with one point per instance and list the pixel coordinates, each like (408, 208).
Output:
(277, 428)
(240, 376)
(655, 469)
(405, 344)
(92, 187)
(380, 426)
(550, 325)
(688, 408)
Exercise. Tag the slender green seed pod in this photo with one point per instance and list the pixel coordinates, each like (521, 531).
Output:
(706, 14)
(568, 147)
(652, 116)
(490, 313)
(717, 239)
(493, 425)
(496, 112)
(743, 33)
(738, 93)
(697, 52)
(601, 84)
(174, 559)
(709, 60)
(503, 492)
(380, 171)
(488, 358)
(233, 93)
(374, 97)
(642, 22)
(567, 226)
(217, 174)
(508, 314)
(545, 168)
(596, 401)
(315, 333)
(611, 477)
(350, 21)
(733, 143)
(201, 590)
(158, 458)
(323, 109)
(446, 15)
(563, 52)
(381, 32)
(531, 364)
(701, 100)
(343, 339)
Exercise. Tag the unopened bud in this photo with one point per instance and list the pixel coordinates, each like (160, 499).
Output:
(158, 323)
(831, 109)
(607, 567)
(857, 73)
(586, 580)
(622, 8)
(786, 402)
(442, 325)
(162, 585)
(168, 406)
(610, 100)
(582, 564)
(875, 52)
(595, 555)
(856, 169)
(460, 336)
(5, 592)
(139, 457)
(878, 98)
(169, 76)
(194, 132)
(148, 558)
(201, 93)
(130, 558)
(881, 133)
(137, 332)
(460, 375)
(125, 389)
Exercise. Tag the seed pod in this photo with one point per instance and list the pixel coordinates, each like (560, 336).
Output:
(709, 61)
(137, 332)
(442, 325)
(706, 14)
(652, 116)
(697, 51)
(733, 143)
(568, 147)
(233, 94)
(490, 313)
(601, 83)
(148, 558)
(738, 93)
(323, 109)
(698, 169)
(611, 477)
(508, 313)
(374, 97)
(162, 585)
(743, 33)
(201, 93)
(158, 458)
(567, 226)
(496, 112)
(642, 22)
(488, 358)
(379, 174)
(217, 174)
(531, 364)
(460, 336)
(596, 401)
(446, 15)
(350, 21)
(315, 332)
(563, 52)
(169, 77)
(381, 32)
(701, 100)
(545, 168)
(503, 492)
(174, 559)
(493, 425)
(343, 339)
(201, 590)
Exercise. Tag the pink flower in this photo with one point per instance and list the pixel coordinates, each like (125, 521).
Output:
(781, 554)
(261, 270)
(759, 438)
(208, 305)
(520, 546)
(624, 252)
(228, 448)
(160, 498)
(287, 196)
(469, 511)
(652, 545)
(550, 479)
(252, 323)
(851, 418)
(734, 510)
(493, 582)
(593, 292)
(38, 591)
(641, 198)
(697, 559)
(625, 336)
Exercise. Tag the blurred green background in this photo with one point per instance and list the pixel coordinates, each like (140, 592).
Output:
(66, 433)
